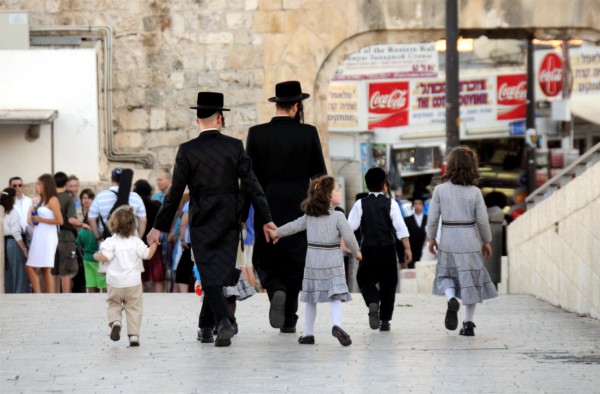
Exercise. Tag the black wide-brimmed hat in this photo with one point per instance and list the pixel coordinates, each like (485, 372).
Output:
(208, 103)
(375, 178)
(419, 195)
(289, 91)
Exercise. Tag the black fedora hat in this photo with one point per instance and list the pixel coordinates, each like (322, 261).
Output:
(375, 178)
(419, 195)
(208, 103)
(288, 91)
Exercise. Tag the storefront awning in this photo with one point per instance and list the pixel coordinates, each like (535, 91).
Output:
(32, 117)
(586, 107)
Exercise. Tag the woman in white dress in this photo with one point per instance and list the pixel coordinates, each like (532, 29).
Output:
(45, 220)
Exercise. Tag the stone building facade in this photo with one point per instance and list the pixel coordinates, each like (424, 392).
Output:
(164, 52)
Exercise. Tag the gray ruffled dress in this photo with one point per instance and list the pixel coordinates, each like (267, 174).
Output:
(465, 228)
(324, 274)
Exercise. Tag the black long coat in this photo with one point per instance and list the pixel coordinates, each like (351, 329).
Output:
(285, 156)
(212, 165)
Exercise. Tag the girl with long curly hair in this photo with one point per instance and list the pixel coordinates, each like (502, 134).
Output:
(324, 276)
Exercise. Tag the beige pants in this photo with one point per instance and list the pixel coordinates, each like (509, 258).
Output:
(130, 300)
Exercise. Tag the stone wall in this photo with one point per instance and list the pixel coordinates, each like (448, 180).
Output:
(554, 248)
(166, 51)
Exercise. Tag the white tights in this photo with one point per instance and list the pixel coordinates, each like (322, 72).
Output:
(470, 308)
(310, 315)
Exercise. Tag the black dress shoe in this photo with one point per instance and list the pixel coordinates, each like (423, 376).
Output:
(384, 326)
(451, 320)
(225, 333)
(205, 335)
(287, 330)
(374, 315)
(306, 340)
(341, 335)
(277, 309)
(468, 329)
(234, 325)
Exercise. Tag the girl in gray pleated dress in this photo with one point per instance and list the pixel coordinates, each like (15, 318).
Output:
(465, 239)
(324, 276)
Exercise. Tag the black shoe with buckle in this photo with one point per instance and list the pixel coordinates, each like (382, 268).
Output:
(451, 320)
(205, 335)
(306, 340)
(385, 325)
(468, 329)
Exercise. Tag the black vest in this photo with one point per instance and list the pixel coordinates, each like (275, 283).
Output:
(376, 225)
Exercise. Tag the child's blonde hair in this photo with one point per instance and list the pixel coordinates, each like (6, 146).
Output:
(122, 221)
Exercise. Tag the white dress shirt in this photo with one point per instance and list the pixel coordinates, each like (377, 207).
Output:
(356, 215)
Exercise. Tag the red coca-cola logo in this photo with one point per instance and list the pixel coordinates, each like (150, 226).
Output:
(387, 98)
(388, 104)
(550, 75)
(512, 89)
(512, 96)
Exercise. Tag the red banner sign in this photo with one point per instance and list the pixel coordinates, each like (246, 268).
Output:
(388, 104)
(511, 96)
(550, 75)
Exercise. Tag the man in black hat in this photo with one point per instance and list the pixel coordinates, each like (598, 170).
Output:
(380, 222)
(416, 224)
(211, 166)
(285, 155)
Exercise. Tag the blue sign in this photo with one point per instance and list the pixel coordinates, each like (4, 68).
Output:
(517, 128)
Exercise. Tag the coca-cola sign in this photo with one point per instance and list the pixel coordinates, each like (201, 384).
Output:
(550, 75)
(388, 104)
(512, 96)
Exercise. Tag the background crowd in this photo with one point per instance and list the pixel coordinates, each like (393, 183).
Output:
(50, 237)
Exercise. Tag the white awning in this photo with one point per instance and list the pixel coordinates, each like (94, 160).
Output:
(586, 107)
(32, 117)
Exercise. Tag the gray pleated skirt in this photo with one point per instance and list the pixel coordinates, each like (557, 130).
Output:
(324, 276)
(466, 273)
(241, 291)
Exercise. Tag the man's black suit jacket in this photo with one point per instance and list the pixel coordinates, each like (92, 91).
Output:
(211, 166)
(285, 156)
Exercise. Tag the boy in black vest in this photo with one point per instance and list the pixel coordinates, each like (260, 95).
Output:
(380, 222)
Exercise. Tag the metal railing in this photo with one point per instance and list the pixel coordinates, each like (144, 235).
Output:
(566, 175)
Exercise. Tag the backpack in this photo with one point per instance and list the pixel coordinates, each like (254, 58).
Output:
(122, 199)
(105, 231)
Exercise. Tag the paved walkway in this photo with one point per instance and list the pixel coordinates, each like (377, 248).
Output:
(59, 343)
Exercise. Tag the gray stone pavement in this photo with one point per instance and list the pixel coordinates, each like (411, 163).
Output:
(60, 343)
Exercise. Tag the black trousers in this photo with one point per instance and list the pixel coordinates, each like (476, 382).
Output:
(290, 285)
(379, 267)
(214, 307)
(281, 267)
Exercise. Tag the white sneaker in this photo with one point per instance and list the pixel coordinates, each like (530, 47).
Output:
(115, 332)
(134, 340)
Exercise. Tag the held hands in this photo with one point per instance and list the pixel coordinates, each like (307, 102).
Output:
(358, 256)
(267, 230)
(273, 235)
(433, 246)
(486, 250)
(153, 237)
